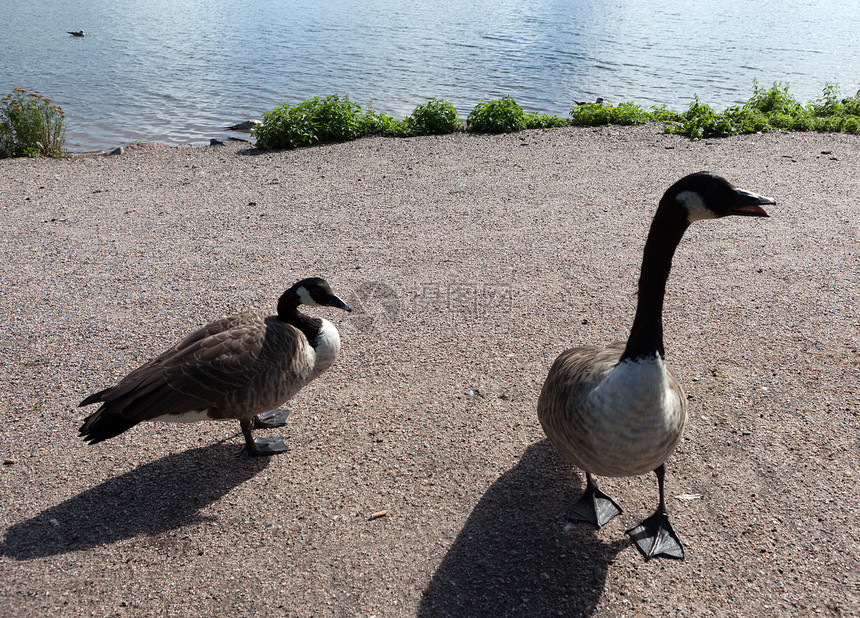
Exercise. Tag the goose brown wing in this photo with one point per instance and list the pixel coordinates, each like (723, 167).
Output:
(577, 366)
(208, 369)
(574, 372)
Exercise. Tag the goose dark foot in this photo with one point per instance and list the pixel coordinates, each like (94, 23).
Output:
(258, 447)
(656, 537)
(594, 507)
(263, 447)
(271, 419)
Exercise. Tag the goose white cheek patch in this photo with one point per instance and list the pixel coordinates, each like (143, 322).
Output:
(305, 297)
(695, 205)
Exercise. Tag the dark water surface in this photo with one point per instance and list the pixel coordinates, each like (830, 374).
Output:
(179, 71)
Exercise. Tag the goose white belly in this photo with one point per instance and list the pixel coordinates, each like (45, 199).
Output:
(623, 420)
(188, 417)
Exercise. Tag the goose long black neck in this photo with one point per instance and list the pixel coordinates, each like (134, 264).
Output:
(288, 311)
(646, 334)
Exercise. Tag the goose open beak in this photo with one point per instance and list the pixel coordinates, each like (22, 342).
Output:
(749, 204)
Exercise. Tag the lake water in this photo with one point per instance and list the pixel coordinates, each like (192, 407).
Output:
(179, 71)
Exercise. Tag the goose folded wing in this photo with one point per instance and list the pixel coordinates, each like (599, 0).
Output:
(202, 372)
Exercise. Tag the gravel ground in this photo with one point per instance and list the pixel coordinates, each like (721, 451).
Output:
(419, 481)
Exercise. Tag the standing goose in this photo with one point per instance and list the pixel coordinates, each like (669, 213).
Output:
(618, 410)
(238, 367)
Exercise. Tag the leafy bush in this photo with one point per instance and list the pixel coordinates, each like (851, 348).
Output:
(329, 119)
(332, 119)
(497, 116)
(545, 121)
(661, 113)
(829, 113)
(593, 114)
(699, 121)
(336, 119)
(436, 117)
(30, 125)
(380, 123)
(769, 110)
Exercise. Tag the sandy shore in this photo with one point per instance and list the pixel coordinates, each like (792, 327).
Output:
(473, 260)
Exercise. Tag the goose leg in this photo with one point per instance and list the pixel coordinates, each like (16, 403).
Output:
(594, 507)
(261, 446)
(271, 419)
(655, 536)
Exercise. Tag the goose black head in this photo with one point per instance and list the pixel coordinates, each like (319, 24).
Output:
(314, 292)
(707, 196)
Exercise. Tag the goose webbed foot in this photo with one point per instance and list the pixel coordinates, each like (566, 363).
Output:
(271, 419)
(656, 537)
(261, 447)
(594, 507)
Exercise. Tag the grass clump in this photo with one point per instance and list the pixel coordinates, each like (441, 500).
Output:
(380, 123)
(506, 116)
(337, 119)
(595, 114)
(30, 126)
(497, 116)
(545, 121)
(332, 119)
(832, 113)
(436, 117)
(767, 110)
(771, 109)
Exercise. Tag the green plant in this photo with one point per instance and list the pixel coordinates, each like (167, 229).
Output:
(380, 123)
(829, 113)
(436, 117)
(545, 121)
(593, 114)
(771, 109)
(497, 116)
(699, 121)
(661, 113)
(332, 119)
(30, 126)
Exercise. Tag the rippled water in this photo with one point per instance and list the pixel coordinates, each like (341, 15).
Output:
(181, 70)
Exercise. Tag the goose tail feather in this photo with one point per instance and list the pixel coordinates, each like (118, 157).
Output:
(102, 425)
(94, 398)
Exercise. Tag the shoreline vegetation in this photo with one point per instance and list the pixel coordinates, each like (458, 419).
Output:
(30, 126)
(337, 119)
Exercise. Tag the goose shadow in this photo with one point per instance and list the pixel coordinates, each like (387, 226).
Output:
(516, 557)
(153, 498)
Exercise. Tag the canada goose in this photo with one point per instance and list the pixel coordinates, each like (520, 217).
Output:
(618, 411)
(238, 367)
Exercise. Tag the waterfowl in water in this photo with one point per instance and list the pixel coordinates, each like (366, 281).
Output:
(240, 367)
(76, 32)
(618, 410)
